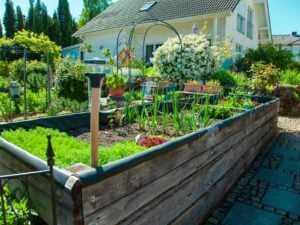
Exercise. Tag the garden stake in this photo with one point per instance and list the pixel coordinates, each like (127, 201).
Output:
(95, 79)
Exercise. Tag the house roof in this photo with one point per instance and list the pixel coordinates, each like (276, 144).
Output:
(285, 40)
(125, 12)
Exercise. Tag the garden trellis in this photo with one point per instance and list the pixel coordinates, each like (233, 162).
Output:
(25, 43)
(134, 24)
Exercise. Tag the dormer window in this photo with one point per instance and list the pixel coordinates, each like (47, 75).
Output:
(147, 6)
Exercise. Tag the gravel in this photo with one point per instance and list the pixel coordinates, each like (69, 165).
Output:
(289, 123)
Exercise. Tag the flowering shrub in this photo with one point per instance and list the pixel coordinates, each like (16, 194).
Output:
(196, 61)
(152, 141)
(264, 75)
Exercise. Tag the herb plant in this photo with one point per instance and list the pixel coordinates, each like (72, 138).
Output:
(114, 80)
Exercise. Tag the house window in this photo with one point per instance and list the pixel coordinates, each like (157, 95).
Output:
(250, 23)
(150, 49)
(239, 51)
(241, 23)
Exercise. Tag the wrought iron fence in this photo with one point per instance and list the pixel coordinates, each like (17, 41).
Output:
(23, 179)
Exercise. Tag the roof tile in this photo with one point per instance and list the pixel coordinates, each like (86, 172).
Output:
(126, 12)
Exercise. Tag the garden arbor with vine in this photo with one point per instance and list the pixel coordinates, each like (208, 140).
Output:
(28, 42)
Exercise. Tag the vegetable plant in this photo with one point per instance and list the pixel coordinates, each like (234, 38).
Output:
(113, 80)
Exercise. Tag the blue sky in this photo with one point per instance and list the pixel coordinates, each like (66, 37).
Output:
(285, 14)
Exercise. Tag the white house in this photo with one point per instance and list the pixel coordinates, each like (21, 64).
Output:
(289, 42)
(246, 22)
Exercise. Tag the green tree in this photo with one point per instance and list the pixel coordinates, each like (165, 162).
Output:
(9, 19)
(74, 29)
(20, 19)
(37, 19)
(1, 30)
(30, 18)
(54, 32)
(91, 9)
(65, 22)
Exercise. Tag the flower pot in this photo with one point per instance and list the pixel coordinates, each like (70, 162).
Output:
(192, 87)
(117, 92)
(164, 83)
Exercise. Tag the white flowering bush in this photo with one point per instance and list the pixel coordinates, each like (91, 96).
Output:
(196, 61)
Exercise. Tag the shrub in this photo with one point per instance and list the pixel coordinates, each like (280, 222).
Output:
(65, 104)
(195, 62)
(279, 57)
(16, 70)
(36, 75)
(4, 68)
(3, 84)
(70, 79)
(241, 79)
(224, 77)
(7, 107)
(264, 75)
(291, 77)
(35, 101)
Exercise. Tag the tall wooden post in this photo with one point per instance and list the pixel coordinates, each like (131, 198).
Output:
(94, 121)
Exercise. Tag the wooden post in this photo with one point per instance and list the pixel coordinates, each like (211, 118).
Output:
(95, 79)
(94, 127)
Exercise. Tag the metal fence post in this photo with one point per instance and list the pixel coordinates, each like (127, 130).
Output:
(50, 161)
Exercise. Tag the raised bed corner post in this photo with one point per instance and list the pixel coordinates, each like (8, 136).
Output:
(95, 80)
(50, 161)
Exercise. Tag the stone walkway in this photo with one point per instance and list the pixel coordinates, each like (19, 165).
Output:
(269, 192)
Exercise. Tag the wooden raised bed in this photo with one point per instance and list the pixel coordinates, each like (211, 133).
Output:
(178, 182)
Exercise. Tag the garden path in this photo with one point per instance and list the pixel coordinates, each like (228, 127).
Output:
(269, 192)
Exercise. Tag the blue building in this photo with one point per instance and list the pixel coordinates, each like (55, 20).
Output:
(73, 51)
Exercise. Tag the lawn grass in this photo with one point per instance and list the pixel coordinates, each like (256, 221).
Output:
(68, 150)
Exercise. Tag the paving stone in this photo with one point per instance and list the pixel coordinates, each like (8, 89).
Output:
(290, 165)
(286, 152)
(269, 192)
(275, 177)
(284, 200)
(241, 214)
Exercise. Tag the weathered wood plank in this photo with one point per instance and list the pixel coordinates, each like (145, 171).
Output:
(158, 186)
(42, 182)
(41, 200)
(201, 207)
(115, 187)
(172, 203)
(39, 190)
